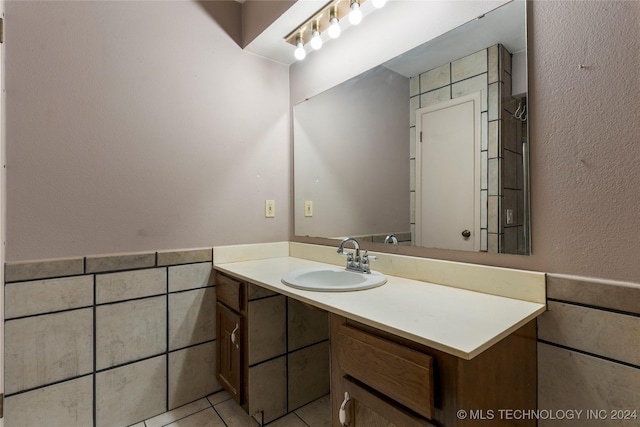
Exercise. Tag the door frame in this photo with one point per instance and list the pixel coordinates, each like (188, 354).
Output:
(476, 99)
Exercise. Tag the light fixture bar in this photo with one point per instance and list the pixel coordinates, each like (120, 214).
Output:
(321, 17)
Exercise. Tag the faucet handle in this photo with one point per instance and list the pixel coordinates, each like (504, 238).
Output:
(366, 256)
(349, 256)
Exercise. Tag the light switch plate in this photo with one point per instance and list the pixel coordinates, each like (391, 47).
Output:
(269, 208)
(509, 219)
(308, 208)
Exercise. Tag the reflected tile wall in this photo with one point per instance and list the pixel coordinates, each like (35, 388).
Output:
(489, 72)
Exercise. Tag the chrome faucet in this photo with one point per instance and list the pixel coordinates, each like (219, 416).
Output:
(356, 264)
(392, 239)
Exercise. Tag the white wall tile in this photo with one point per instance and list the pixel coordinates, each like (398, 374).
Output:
(435, 97)
(308, 374)
(44, 296)
(192, 317)
(68, 404)
(571, 380)
(414, 86)
(472, 85)
(414, 104)
(268, 389)
(469, 66)
(190, 276)
(130, 330)
(43, 349)
(608, 334)
(130, 284)
(306, 325)
(131, 393)
(484, 131)
(267, 329)
(192, 374)
(436, 78)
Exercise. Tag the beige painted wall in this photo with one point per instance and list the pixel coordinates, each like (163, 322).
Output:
(257, 15)
(136, 126)
(585, 175)
(356, 176)
(585, 180)
(128, 129)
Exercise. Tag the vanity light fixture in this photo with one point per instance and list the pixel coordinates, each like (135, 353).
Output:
(326, 19)
(355, 16)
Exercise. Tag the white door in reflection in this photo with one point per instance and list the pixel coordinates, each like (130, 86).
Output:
(448, 174)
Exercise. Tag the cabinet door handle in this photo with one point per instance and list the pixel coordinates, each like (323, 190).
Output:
(344, 414)
(233, 336)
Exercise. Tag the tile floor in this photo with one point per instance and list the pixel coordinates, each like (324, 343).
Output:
(220, 410)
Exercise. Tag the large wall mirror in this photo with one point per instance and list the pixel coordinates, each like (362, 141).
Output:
(428, 149)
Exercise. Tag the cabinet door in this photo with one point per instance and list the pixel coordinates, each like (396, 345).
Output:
(229, 327)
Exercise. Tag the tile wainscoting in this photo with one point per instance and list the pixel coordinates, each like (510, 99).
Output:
(108, 340)
(114, 340)
(588, 356)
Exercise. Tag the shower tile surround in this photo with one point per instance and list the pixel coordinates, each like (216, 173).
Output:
(501, 185)
(108, 340)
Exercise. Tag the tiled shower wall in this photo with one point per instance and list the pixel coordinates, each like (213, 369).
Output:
(108, 340)
(488, 72)
(588, 357)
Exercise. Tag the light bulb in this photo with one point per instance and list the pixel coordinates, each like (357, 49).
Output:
(334, 28)
(316, 41)
(378, 3)
(299, 53)
(355, 16)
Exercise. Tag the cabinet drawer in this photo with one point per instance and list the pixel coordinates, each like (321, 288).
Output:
(367, 409)
(398, 372)
(230, 292)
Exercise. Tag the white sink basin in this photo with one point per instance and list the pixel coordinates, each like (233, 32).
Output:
(332, 279)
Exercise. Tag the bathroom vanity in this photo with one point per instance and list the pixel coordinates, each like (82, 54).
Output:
(407, 353)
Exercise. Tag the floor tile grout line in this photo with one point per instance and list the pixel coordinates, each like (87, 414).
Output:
(219, 414)
(180, 419)
(300, 418)
(188, 415)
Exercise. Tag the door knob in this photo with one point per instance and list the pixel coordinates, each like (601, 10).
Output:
(466, 234)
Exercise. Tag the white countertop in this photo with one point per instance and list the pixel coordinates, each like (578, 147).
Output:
(456, 321)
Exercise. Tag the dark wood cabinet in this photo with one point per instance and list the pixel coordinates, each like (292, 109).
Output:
(268, 365)
(229, 360)
(390, 380)
(231, 336)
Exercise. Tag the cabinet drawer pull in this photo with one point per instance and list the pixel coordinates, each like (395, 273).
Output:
(233, 336)
(343, 414)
